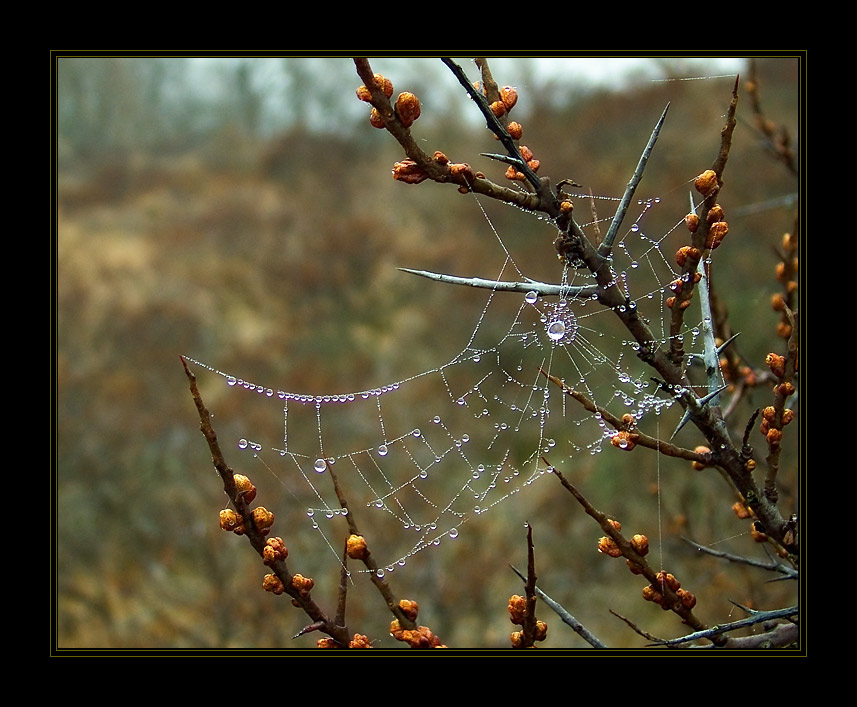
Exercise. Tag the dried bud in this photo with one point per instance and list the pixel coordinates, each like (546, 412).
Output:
(409, 172)
(517, 639)
(263, 519)
(517, 609)
(407, 108)
(698, 465)
(462, 171)
(757, 532)
(788, 416)
(668, 580)
(515, 130)
(634, 567)
(624, 440)
(534, 165)
(686, 253)
(440, 158)
(363, 94)
(608, 546)
(272, 583)
(230, 520)
(409, 608)
(769, 413)
(356, 547)
(385, 84)
(774, 437)
(777, 364)
(509, 96)
(541, 632)
(359, 641)
(498, 108)
(741, 510)
(641, 544)
(375, 119)
(670, 302)
(245, 487)
(566, 207)
(778, 302)
(715, 213)
(650, 593)
(688, 600)
(303, 584)
(526, 153)
(615, 524)
(784, 330)
(785, 389)
(692, 222)
(275, 549)
(326, 643)
(706, 183)
(716, 233)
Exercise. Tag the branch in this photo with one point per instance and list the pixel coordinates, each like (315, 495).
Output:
(257, 539)
(757, 617)
(773, 565)
(541, 288)
(566, 617)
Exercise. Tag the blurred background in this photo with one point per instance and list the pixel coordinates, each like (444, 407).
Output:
(241, 210)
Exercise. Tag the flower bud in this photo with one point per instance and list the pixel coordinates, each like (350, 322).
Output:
(272, 583)
(407, 108)
(706, 183)
(509, 96)
(356, 547)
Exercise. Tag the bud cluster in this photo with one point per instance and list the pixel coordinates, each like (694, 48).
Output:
(406, 109)
(421, 637)
(657, 590)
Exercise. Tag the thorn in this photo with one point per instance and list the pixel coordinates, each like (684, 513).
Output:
(727, 342)
(694, 403)
(309, 629)
(514, 161)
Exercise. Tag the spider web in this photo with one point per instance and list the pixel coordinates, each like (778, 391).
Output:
(422, 457)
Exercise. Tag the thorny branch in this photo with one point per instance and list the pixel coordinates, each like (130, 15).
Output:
(321, 622)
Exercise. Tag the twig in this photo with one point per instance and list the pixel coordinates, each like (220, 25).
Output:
(368, 560)
(618, 424)
(773, 566)
(566, 617)
(494, 125)
(637, 561)
(321, 622)
(710, 633)
(541, 288)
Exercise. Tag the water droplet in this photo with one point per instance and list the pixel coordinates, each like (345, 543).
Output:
(320, 465)
(532, 296)
(242, 444)
(231, 380)
(416, 433)
(382, 450)
(453, 533)
(556, 330)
